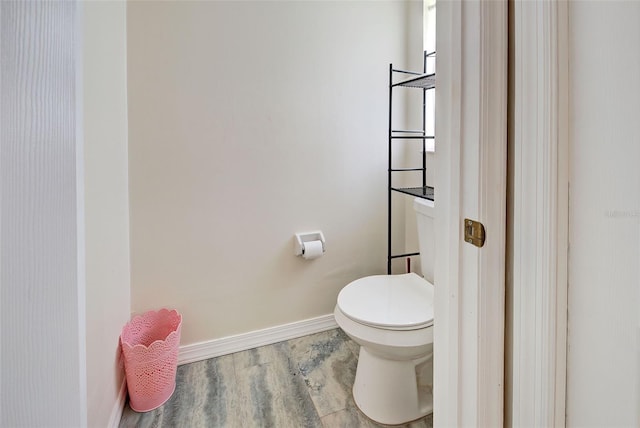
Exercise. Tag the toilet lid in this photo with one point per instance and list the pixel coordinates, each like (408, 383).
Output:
(393, 302)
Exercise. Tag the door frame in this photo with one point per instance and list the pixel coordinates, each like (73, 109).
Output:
(539, 213)
(470, 182)
(467, 385)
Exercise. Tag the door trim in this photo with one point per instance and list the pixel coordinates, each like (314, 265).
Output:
(539, 226)
(470, 181)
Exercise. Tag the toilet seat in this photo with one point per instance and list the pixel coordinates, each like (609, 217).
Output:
(389, 302)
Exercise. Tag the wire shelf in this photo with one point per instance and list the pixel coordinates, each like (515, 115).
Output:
(424, 81)
(425, 192)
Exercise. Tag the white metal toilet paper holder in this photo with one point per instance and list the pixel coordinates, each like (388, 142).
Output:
(301, 238)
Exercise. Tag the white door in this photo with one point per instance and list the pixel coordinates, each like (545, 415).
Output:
(42, 307)
(470, 182)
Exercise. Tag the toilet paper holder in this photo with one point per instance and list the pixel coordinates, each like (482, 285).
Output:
(301, 238)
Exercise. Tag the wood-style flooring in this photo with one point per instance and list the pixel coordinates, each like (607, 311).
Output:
(303, 382)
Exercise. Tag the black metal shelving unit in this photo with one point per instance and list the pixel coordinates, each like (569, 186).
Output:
(425, 82)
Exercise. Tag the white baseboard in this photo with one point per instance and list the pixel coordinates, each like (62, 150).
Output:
(242, 342)
(118, 407)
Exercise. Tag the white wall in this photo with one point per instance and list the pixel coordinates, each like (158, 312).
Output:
(604, 276)
(250, 121)
(106, 202)
(42, 326)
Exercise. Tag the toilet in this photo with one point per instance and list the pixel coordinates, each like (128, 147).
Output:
(391, 318)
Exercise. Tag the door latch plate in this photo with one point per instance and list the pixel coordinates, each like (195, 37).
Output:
(474, 232)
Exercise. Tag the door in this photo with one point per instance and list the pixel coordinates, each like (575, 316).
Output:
(470, 182)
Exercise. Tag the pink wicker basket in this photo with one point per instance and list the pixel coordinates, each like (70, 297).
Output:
(150, 348)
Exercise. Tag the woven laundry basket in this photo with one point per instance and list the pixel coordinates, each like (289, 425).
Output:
(150, 348)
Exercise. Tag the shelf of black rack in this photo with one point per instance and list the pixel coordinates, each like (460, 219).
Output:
(422, 81)
(425, 192)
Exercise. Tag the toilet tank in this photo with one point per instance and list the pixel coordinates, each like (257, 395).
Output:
(425, 211)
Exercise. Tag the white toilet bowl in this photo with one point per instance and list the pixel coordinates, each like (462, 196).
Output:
(391, 318)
